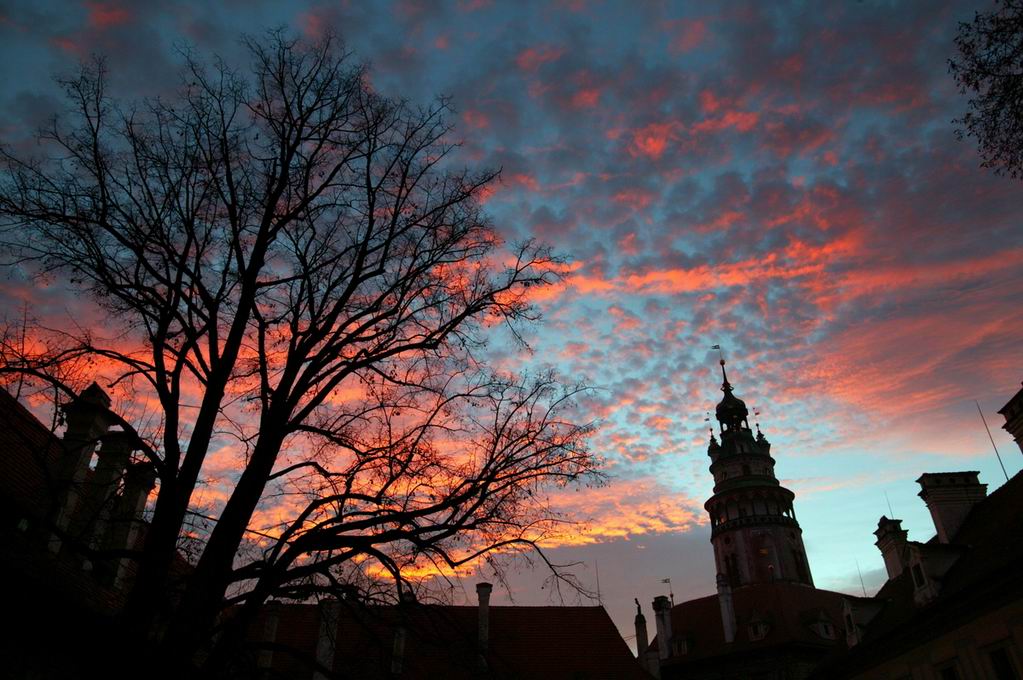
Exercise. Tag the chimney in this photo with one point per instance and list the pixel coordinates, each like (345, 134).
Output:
(727, 608)
(950, 496)
(398, 652)
(139, 479)
(96, 506)
(891, 541)
(1013, 414)
(87, 420)
(641, 639)
(662, 616)
(326, 640)
(265, 658)
(483, 591)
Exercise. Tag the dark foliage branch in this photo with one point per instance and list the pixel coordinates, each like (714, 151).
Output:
(989, 69)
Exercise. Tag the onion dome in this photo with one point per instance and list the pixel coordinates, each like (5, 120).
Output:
(731, 411)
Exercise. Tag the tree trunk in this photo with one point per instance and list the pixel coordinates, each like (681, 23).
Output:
(194, 618)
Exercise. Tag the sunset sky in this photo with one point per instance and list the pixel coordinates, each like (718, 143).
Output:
(780, 179)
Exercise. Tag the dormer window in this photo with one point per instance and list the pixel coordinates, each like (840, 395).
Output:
(824, 629)
(918, 576)
(679, 646)
(758, 630)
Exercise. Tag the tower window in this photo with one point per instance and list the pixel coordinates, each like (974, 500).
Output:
(918, 576)
(758, 630)
(949, 672)
(1002, 665)
(732, 570)
(797, 557)
(825, 630)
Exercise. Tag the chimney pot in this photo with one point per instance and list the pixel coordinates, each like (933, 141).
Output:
(483, 591)
(662, 616)
(891, 541)
(950, 496)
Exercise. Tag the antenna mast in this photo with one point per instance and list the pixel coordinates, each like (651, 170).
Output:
(997, 455)
(862, 587)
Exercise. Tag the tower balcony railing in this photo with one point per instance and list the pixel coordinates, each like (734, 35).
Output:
(752, 520)
(746, 481)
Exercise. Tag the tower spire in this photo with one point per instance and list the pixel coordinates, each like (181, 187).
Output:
(726, 387)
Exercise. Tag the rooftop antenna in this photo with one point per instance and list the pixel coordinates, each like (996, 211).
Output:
(998, 455)
(670, 594)
(596, 566)
(862, 587)
(891, 513)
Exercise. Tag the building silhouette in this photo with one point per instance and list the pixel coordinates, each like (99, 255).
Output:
(71, 506)
(347, 638)
(951, 609)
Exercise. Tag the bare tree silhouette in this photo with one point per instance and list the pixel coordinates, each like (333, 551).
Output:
(292, 266)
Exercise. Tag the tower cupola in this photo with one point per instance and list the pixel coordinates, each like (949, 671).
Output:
(731, 410)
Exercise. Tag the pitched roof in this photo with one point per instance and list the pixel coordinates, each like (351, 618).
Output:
(440, 641)
(29, 454)
(789, 609)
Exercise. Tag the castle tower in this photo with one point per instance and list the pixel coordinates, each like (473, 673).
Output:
(754, 530)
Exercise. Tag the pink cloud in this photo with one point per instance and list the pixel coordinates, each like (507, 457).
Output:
(687, 34)
(652, 140)
(628, 245)
(476, 120)
(533, 58)
(106, 14)
(743, 121)
(635, 198)
(586, 98)
(67, 44)
(312, 25)
(709, 103)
